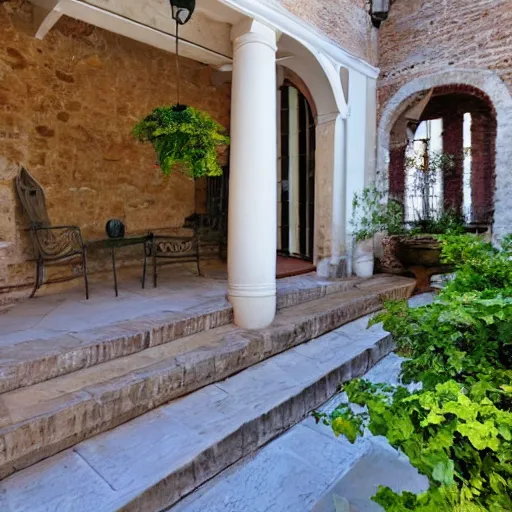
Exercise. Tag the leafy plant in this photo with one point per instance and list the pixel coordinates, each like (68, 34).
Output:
(480, 265)
(394, 218)
(183, 137)
(459, 336)
(368, 213)
(456, 436)
(427, 167)
(442, 223)
(456, 430)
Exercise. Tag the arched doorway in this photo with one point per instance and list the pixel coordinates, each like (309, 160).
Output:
(296, 174)
(458, 123)
(483, 84)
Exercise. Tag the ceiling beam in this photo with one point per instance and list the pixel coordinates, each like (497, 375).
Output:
(46, 15)
(126, 27)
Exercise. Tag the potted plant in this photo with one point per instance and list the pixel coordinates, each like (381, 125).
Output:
(421, 245)
(184, 138)
(368, 216)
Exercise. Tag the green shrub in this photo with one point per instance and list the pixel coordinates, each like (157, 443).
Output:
(454, 435)
(457, 337)
(456, 430)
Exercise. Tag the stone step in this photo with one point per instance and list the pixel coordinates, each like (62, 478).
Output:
(37, 360)
(309, 469)
(151, 462)
(45, 418)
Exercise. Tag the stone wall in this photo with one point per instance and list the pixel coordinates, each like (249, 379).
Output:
(346, 22)
(67, 107)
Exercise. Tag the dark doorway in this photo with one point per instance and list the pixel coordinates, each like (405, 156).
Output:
(296, 175)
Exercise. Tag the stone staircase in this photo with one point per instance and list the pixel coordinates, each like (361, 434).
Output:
(58, 395)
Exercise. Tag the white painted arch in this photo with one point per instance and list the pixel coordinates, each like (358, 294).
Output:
(318, 73)
(499, 94)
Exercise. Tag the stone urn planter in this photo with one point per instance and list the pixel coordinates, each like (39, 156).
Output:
(363, 258)
(422, 250)
(419, 255)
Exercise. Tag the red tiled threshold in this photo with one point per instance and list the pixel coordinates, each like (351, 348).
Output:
(288, 267)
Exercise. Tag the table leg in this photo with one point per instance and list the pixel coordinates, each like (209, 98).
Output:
(144, 266)
(113, 252)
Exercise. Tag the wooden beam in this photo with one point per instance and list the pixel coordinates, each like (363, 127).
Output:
(46, 15)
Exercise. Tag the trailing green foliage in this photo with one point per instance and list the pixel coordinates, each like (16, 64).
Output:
(456, 430)
(445, 222)
(368, 213)
(186, 138)
(481, 266)
(459, 336)
(454, 435)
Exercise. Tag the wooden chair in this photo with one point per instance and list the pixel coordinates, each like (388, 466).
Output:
(52, 244)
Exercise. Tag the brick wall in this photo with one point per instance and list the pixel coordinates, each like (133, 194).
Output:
(346, 22)
(455, 37)
(67, 107)
(426, 36)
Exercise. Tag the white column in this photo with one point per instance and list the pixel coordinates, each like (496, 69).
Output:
(356, 138)
(252, 222)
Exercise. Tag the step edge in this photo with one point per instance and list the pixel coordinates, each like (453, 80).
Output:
(58, 363)
(292, 409)
(31, 457)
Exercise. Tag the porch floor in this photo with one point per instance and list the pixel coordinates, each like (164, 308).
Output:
(51, 313)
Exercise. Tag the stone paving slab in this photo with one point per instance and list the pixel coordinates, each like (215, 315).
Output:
(307, 468)
(152, 461)
(31, 356)
(42, 419)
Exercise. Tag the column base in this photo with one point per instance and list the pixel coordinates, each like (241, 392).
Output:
(331, 269)
(253, 312)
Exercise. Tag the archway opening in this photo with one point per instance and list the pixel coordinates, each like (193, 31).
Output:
(457, 129)
(296, 174)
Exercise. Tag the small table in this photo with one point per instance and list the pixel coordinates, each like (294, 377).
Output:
(113, 243)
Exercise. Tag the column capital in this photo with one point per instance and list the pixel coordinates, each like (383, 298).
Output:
(252, 31)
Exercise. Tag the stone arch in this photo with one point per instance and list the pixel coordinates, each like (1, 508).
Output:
(485, 83)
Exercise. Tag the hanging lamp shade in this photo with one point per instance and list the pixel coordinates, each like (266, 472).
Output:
(182, 10)
(380, 11)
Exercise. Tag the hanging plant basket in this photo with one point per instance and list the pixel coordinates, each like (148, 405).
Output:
(184, 138)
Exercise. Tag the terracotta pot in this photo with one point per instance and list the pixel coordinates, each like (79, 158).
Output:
(363, 260)
(419, 250)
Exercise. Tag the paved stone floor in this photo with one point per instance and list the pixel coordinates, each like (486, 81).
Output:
(307, 469)
(179, 290)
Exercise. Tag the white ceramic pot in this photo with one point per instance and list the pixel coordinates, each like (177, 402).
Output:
(363, 259)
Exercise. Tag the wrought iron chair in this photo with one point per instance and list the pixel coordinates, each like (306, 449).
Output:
(205, 243)
(176, 249)
(52, 244)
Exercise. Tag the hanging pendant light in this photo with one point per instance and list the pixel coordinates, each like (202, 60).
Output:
(380, 11)
(182, 11)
